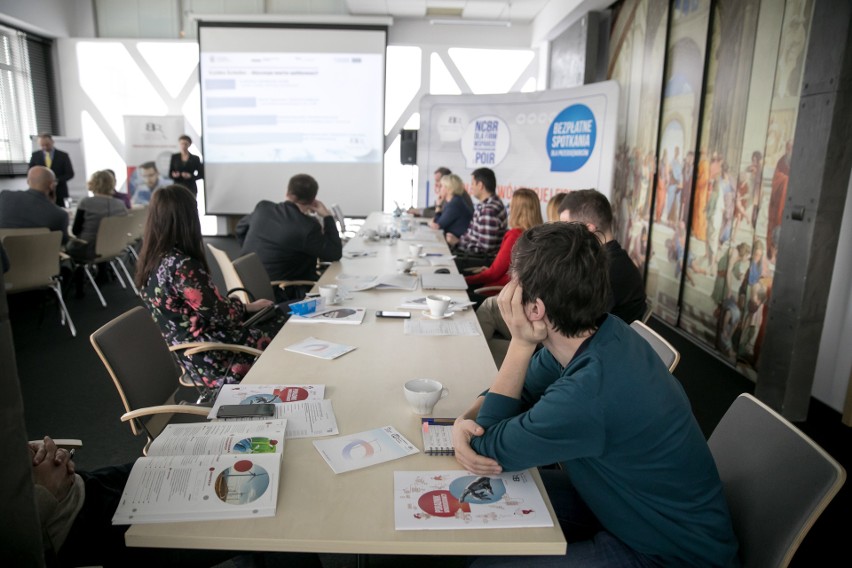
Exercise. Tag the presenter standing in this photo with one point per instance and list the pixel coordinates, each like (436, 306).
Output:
(186, 168)
(57, 161)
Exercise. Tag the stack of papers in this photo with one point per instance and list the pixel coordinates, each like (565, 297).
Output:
(395, 281)
(335, 315)
(266, 394)
(320, 348)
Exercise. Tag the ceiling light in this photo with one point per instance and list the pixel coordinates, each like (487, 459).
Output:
(462, 22)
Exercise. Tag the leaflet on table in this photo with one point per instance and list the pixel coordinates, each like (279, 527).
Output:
(421, 234)
(461, 500)
(419, 303)
(265, 394)
(211, 438)
(320, 348)
(395, 281)
(364, 449)
(334, 315)
(197, 488)
(448, 326)
(305, 419)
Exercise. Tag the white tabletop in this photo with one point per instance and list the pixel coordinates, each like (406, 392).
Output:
(320, 511)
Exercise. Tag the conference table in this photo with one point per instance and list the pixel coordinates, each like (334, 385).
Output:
(320, 511)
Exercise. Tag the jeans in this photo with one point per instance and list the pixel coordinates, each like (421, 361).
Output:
(589, 545)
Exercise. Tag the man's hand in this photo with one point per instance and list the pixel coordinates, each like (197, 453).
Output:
(319, 208)
(463, 430)
(53, 468)
(510, 302)
(452, 240)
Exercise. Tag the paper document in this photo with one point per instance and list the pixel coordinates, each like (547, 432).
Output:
(449, 326)
(211, 438)
(333, 315)
(419, 303)
(461, 500)
(320, 348)
(364, 449)
(197, 488)
(310, 418)
(265, 394)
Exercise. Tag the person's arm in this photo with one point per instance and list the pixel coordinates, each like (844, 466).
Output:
(197, 289)
(199, 169)
(325, 244)
(174, 167)
(500, 267)
(242, 228)
(79, 218)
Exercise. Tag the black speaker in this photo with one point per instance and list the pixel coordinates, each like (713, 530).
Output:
(408, 147)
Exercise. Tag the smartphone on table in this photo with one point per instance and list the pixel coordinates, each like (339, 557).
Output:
(388, 314)
(245, 411)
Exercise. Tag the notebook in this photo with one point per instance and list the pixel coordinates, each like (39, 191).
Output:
(432, 281)
(437, 436)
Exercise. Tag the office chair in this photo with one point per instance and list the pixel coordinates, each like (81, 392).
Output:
(111, 243)
(232, 280)
(34, 264)
(669, 355)
(255, 279)
(777, 481)
(147, 376)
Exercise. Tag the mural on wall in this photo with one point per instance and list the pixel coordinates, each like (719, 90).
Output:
(715, 223)
(637, 53)
(678, 138)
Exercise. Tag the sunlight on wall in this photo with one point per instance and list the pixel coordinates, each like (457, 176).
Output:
(479, 68)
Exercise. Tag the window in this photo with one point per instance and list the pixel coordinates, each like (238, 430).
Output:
(25, 97)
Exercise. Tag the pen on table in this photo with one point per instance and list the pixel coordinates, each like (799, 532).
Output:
(71, 453)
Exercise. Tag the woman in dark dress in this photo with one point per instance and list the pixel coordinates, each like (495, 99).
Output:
(175, 284)
(185, 168)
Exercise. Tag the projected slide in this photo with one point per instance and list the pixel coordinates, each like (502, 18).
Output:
(291, 107)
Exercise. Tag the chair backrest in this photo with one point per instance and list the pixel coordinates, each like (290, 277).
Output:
(33, 260)
(142, 368)
(649, 310)
(777, 481)
(23, 231)
(669, 355)
(113, 237)
(138, 216)
(232, 279)
(254, 276)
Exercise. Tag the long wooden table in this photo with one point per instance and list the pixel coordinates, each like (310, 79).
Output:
(320, 511)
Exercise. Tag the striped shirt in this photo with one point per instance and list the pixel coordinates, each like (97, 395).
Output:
(486, 229)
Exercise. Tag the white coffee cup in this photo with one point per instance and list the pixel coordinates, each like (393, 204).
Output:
(423, 394)
(328, 292)
(415, 250)
(438, 304)
(404, 264)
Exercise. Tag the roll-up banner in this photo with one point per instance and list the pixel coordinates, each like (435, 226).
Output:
(548, 141)
(149, 142)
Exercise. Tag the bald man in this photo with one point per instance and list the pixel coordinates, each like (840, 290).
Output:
(34, 207)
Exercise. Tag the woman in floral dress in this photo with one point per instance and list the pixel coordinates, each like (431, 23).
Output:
(175, 284)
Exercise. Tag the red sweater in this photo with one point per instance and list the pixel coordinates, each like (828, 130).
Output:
(498, 273)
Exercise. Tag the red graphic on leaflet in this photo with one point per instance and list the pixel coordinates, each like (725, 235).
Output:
(291, 394)
(441, 504)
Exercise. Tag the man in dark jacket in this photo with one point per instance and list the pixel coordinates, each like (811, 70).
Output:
(56, 160)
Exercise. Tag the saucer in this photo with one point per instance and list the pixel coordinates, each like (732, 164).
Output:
(428, 314)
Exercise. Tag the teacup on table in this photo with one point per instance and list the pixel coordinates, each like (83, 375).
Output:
(423, 394)
(328, 292)
(438, 305)
(404, 264)
(415, 250)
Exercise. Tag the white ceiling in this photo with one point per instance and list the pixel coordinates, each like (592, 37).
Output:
(520, 11)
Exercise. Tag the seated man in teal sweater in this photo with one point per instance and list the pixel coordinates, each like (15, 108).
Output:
(639, 486)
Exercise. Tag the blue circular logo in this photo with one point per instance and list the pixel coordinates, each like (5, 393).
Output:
(571, 139)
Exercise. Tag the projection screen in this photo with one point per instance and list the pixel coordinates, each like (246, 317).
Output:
(277, 100)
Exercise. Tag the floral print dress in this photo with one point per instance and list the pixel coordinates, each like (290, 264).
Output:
(184, 301)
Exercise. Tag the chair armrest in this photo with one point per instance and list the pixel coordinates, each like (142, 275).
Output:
(285, 283)
(488, 289)
(166, 409)
(223, 347)
(66, 443)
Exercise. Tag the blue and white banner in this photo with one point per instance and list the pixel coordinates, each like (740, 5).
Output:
(548, 141)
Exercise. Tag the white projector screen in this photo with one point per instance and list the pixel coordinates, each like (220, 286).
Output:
(282, 100)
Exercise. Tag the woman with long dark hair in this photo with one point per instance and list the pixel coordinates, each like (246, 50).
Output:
(175, 284)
